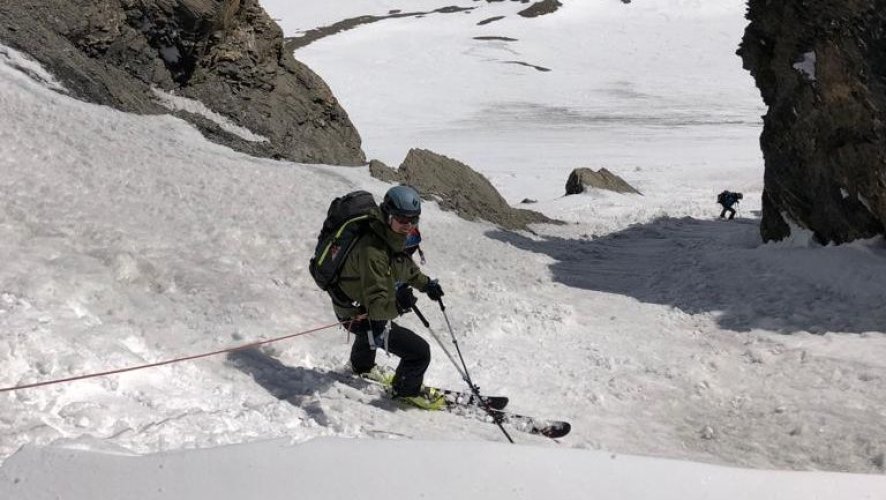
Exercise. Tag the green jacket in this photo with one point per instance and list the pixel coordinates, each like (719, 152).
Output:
(372, 270)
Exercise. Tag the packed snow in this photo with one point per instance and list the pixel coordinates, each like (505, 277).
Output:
(179, 103)
(686, 354)
(806, 66)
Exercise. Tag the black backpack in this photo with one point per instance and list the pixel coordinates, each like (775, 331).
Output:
(729, 197)
(347, 219)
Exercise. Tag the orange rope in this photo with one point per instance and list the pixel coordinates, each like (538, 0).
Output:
(170, 361)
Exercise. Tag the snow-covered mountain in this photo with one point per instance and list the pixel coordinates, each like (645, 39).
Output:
(654, 328)
(651, 87)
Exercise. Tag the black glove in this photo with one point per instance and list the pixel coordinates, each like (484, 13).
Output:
(434, 290)
(405, 298)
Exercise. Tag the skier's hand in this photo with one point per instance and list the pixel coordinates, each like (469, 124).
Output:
(434, 290)
(405, 298)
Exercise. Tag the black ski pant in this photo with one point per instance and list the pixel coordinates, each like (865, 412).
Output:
(728, 209)
(413, 351)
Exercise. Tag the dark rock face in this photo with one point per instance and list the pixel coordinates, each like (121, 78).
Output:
(541, 8)
(821, 69)
(581, 178)
(226, 53)
(457, 187)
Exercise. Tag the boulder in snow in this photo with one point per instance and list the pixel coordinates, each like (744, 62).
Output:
(383, 172)
(457, 187)
(582, 178)
(541, 8)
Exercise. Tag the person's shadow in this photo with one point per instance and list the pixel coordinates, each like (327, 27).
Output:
(722, 267)
(295, 385)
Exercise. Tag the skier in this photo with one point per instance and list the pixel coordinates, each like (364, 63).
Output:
(378, 276)
(727, 199)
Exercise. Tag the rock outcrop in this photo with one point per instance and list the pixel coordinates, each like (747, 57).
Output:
(383, 172)
(457, 187)
(541, 8)
(582, 178)
(821, 69)
(228, 54)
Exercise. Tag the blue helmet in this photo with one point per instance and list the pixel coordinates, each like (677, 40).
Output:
(402, 200)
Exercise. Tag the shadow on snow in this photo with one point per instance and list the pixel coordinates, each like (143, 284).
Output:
(721, 267)
(296, 385)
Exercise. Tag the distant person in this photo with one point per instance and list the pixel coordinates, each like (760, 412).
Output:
(728, 199)
(413, 242)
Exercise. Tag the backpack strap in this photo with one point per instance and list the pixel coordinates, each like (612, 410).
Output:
(384, 336)
(338, 296)
(341, 299)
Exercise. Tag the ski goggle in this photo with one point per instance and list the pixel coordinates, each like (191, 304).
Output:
(405, 219)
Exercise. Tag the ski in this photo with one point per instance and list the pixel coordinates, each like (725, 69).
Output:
(458, 398)
(455, 398)
(468, 405)
(452, 397)
(486, 408)
(543, 427)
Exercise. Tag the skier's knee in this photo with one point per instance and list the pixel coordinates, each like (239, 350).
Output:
(423, 352)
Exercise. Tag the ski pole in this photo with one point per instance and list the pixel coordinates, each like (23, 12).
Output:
(496, 418)
(467, 375)
(454, 340)
(464, 376)
(421, 316)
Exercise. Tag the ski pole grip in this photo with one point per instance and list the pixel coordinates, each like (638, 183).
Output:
(442, 307)
(421, 316)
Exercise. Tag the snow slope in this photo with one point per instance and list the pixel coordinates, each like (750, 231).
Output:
(383, 469)
(654, 328)
(652, 90)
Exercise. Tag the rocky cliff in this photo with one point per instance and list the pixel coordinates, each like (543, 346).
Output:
(228, 54)
(821, 68)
